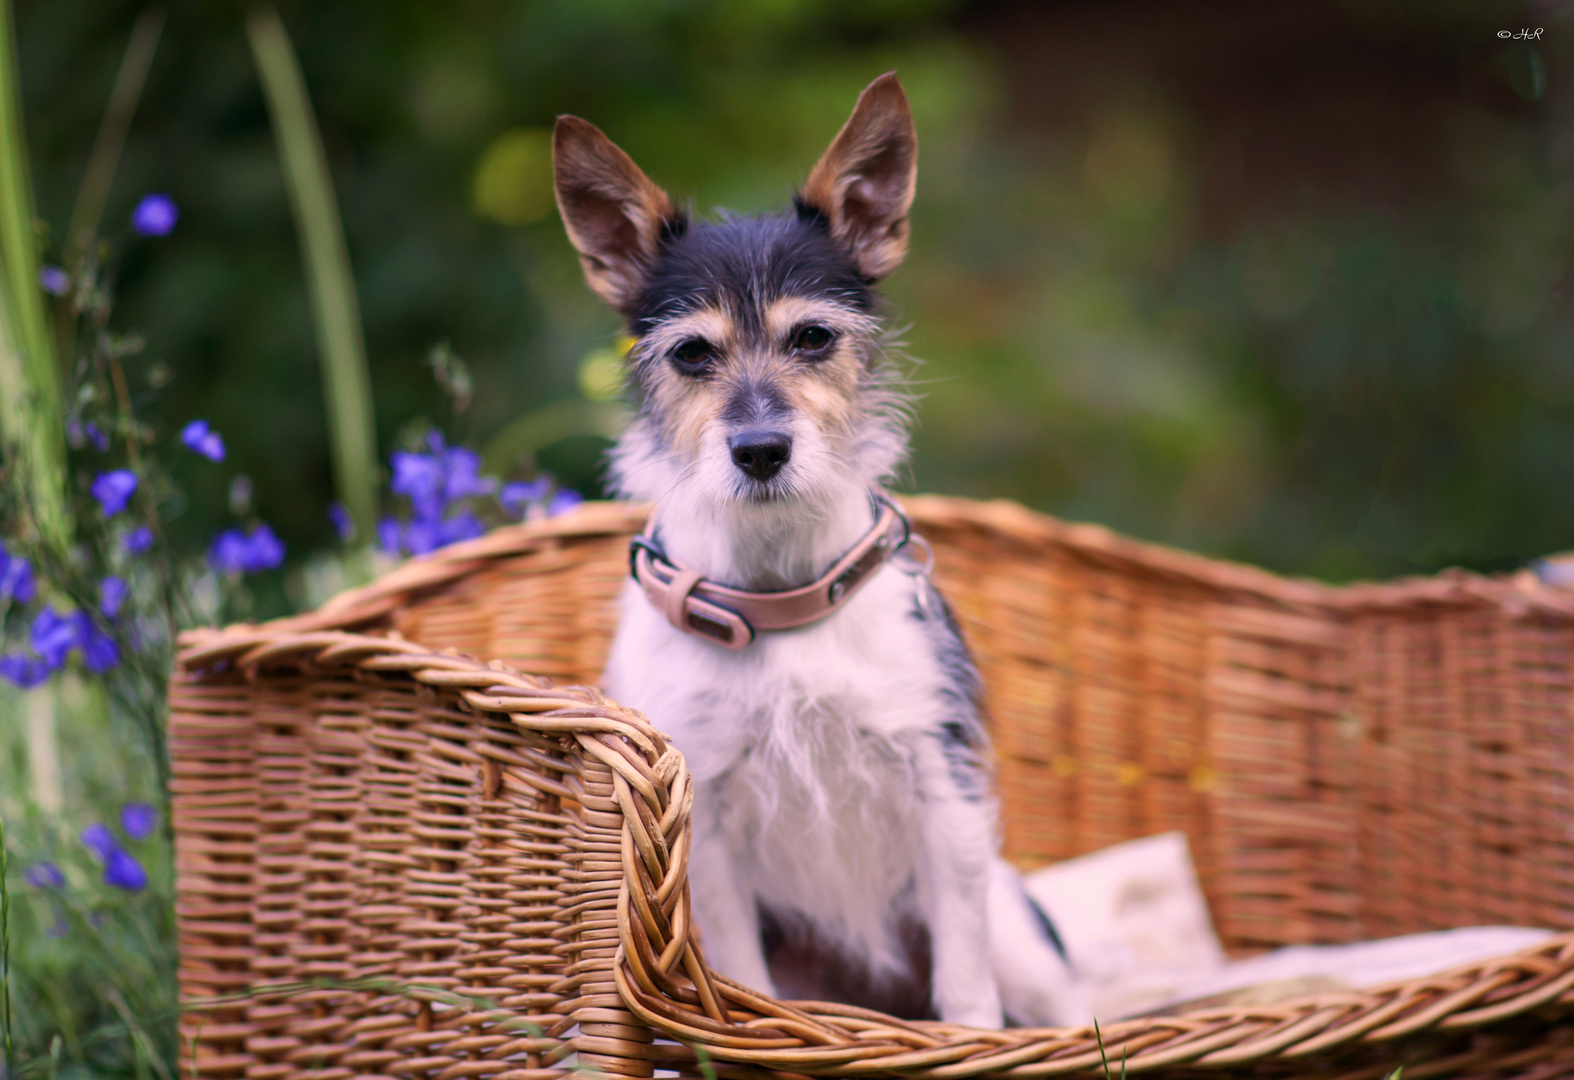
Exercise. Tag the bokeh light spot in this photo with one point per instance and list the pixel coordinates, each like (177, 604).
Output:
(513, 180)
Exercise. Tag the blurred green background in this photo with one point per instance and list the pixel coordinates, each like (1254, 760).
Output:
(1281, 281)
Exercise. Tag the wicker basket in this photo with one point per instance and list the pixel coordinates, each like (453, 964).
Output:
(399, 862)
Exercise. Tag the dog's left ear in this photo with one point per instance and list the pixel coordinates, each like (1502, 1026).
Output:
(863, 184)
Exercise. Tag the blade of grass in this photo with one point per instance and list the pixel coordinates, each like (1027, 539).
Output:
(102, 162)
(32, 424)
(335, 310)
(5, 951)
(111, 138)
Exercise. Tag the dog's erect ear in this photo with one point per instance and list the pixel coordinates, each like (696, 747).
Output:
(863, 184)
(614, 214)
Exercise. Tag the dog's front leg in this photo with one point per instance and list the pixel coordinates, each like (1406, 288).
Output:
(725, 908)
(958, 841)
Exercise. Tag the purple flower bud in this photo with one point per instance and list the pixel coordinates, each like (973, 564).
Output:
(23, 671)
(343, 524)
(388, 535)
(112, 595)
(138, 540)
(114, 490)
(517, 496)
(122, 871)
(434, 441)
(138, 819)
(16, 578)
(54, 280)
(78, 433)
(564, 501)
(45, 875)
(53, 636)
(201, 439)
(155, 215)
(463, 482)
(99, 840)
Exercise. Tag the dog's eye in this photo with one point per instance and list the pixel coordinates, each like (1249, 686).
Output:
(813, 339)
(692, 355)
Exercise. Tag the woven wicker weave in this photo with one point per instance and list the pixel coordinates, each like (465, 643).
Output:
(468, 861)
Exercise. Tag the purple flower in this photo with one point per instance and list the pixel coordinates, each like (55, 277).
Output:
(461, 526)
(24, 671)
(138, 819)
(99, 651)
(388, 535)
(517, 496)
(462, 467)
(235, 552)
(99, 840)
(112, 595)
(122, 871)
(422, 536)
(229, 552)
(54, 280)
(16, 578)
(200, 438)
(267, 550)
(54, 635)
(137, 540)
(114, 490)
(45, 875)
(343, 524)
(564, 501)
(419, 477)
(155, 215)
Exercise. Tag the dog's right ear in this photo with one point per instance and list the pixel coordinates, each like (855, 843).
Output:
(614, 214)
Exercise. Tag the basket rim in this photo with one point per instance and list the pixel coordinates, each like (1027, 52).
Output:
(821, 1037)
(1521, 594)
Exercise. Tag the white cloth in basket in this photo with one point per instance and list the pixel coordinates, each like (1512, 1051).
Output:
(1137, 930)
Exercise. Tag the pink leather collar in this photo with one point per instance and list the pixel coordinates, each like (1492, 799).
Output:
(732, 617)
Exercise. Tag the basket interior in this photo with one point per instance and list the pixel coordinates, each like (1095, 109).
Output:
(1347, 763)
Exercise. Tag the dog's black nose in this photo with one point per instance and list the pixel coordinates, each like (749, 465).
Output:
(761, 454)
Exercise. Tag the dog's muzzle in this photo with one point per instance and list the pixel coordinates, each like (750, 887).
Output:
(732, 617)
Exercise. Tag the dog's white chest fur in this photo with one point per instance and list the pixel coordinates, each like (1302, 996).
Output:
(805, 748)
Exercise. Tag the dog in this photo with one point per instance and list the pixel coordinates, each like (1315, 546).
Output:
(844, 831)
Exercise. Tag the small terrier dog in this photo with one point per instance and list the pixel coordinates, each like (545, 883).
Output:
(844, 843)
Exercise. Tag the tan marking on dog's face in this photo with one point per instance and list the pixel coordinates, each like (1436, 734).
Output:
(753, 358)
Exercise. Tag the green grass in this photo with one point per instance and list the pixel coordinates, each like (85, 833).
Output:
(336, 312)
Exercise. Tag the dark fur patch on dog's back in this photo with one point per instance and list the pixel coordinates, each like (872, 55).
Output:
(742, 264)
